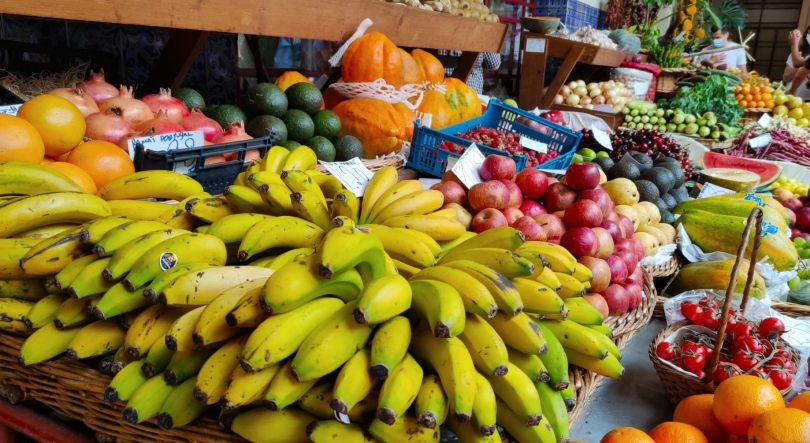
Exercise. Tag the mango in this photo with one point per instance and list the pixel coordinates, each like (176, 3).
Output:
(732, 206)
(767, 199)
(715, 275)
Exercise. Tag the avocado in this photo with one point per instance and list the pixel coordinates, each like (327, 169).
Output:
(676, 170)
(227, 114)
(266, 99)
(191, 98)
(268, 126)
(327, 124)
(669, 199)
(680, 193)
(323, 148)
(291, 144)
(647, 191)
(662, 205)
(626, 170)
(299, 125)
(643, 159)
(304, 97)
(662, 177)
(604, 162)
(348, 147)
(667, 217)
(658, 161)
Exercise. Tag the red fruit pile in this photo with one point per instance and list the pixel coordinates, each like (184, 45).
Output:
(502, 140)
(749, 348)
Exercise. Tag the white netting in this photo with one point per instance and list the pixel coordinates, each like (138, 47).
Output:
(337, 58)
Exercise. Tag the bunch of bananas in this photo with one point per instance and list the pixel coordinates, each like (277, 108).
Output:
(379, 309)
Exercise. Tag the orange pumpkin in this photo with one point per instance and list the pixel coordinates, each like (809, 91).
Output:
(290, 78)
(411, 72)
(370, 57)
(408, 117)
(378, 126)
(463, 100)
(431, 67)
(434, 103)
(331, 97)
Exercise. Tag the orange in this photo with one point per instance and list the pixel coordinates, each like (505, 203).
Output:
(46, 160)
(673, 432)
(739, 399)
(76, 174)
(766, 96)
(781, 426)
(102, 161)
(19, 140)
(760, 104)
(58, 121)
(770, 104)
(626, 435)
(749, 97)
(743, 104)
(801, 401)
(697, 411)
(63, 157)
(739, 97)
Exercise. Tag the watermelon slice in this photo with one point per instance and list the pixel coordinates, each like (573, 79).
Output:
(768, 172)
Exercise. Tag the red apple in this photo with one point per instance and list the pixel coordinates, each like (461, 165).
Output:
(637, 277)
(532, 182)
(618, 270)
(615, 231)
(624, 244)
(803, 219)
(629, 258)
(605, 242)
(600, 270)
(804, 199)
(559, 197)
(582, 176)
(617, 299)
(491, 194)
(560, 214)
(583, 214)
(487, 219)
(629, 229)
(794, 233)
(634, 294)
(532, 208)
(580, 242)
(531, 230)
(496, 167)
(601, 198)
(450, 177)
(793, 204)
(554, 226)
(638, 248)
(598, 302)
(452, 191)
(512, 214)
(515, 195)
(462, 215)
(614, 217)
(791, 217)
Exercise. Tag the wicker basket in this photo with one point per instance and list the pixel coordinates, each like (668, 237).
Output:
(668, 78)
(376, 164)
(666, 269)
(635, 319)
(791, 309)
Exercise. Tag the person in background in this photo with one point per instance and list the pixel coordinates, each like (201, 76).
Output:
(730, 58)
(486, 60)
(799, 56)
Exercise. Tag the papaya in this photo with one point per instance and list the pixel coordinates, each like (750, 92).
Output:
(713, 232)
(371, 57)
(463, 100)
(732, 206)
(377, 124)
(434, 103)
(767, 200)
(715, 275)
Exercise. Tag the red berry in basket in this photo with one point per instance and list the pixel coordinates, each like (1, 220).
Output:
(742, 329)
(746, 360)
(725, 371)
(748, 343)
(693, 362)
(691, 311)
(706, 303)
(780, 378)
(771, 328)
(709, 319)
(692, 348)
(665, 351)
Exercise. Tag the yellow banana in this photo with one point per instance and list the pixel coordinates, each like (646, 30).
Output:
(45, 343)
(530, 364)
(76, 311)
(152, 290)
(399, 390)
(11, 251)
(286, 257)
(579, 338)
(515, 425)
(280, 336)
(340, 222)
(247, 387)
(554, 410)
(285, 389)
(449, 245)
(431, 403)
(404, 269)
(330, 345)
(245, 200)
(212, 380)
(537, 297)
(179, 218)
(308, 206)
(301, 158)
(501, 237)
(346, 248)
(389, 345)
(29, 289)
(120, 359)
(405, 429)
(519, 332)
(602, 329)
(201, 287)
(248, 312)
(147, 400)
(125, 382)
(557, 257)
(317, 400)
(257, 179)
(211, 327)
(184, 365)
(66, 276)
(502, 290)
(466, 432)
(178, 336)
(570, 287)
(333, 430)
(394, 193)
(346, 204)
(43, 311)
(151, 184)
(439, 229)
(416, 203)
(117, 237)
(12, 313)
(452, 362)
(582, 274)
(440, 304)
(52, 255)
(276, 232)
(425, 239)
(539, 262)
(486, 347)
(89, 281)
(403, 247)
(475, 296)
(43, 232)
(210, 209)
(137, 210)
(484, 407)
(517, 390)
(288, 425)
(607, 367)
(95, 230)
(180, 408)
(555, 360)
(128, 255)
(382, 180)
(158, 358)
(24, 178)
(116, 301)
(549, 278)
(329, 185)
(97, 338)
(354, 382)
(300, 181)
(148, 327)
(277, 198)
(500, 260)
(583, 312)
(383, 299)
(274, 160)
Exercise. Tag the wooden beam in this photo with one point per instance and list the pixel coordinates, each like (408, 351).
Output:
(176, 59)
(568, 65)
(331, 20)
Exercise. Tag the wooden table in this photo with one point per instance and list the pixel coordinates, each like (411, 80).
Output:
(331, 20)
(538, 47)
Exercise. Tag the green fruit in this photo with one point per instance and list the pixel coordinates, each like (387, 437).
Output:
(291, 144)
(663, 178)
(266, 99)
(794, 283)
(191, 98)
(323, 148)
(225, 115)
(299, 125)
(603, 154)
(268, 126)
(587, 154)
(327, 124)
(804, 254)
(799, 242)
(510, 102)
(347, 147)
(577, 158)
(304, 97)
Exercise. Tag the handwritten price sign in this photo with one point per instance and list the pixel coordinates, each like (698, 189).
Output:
(10, 109)
(352, 173)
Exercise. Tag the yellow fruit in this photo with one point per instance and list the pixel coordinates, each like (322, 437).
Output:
(696, 410)
(58, 121)
(796, 113)
(781, 110)
(738, 400)
(19, 140)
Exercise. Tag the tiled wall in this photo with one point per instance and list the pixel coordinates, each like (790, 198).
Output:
(572, 13)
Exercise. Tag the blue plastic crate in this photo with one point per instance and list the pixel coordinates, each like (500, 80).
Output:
(427, 155)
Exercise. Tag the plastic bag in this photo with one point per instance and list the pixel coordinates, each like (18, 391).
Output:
(636, 80)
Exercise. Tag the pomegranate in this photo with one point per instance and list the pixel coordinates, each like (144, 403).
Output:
(132, 109)
(175, 109)
(97, 88)
(197, 121)
(109, 126)
(123, 143)
(236, 132)
(160, 124)
(75, 95)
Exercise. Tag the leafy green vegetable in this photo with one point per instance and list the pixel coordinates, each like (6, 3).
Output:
(713, 95)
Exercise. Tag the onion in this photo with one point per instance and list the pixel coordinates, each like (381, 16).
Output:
(598, 100)
(160, 125)
(592, 86)
(572, 100)
(612, 93)
(585, 101)
(581, 91)
(133, 110)
(97, 88)
(559, 99)
(123, 143)
(236, 132)
(175, 109)
(565, 91)
(573, 85)
(595, 92)
(75, 95)
(197, 121)
(580, 82)
(607, 87)
(108, 125)
(588, 106)
(615, 101)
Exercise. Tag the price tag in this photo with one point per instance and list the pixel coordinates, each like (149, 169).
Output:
(451, 162)
(765, 120)
(710, 190)
(554, 171)
(536, 45)
(761, 141)
(10, 109)
(534, 145)
(484, 99)
(602, 138)
(467, 167)
(168, 142)
(352, 173)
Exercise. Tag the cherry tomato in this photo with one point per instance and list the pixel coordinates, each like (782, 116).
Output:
(691, 311)
(700, 374)
(771, 328)
(693, 362)
(707, 352)
(788, 366)
(731, 324)
(694, 348)
(742, 329)
(781, 379)
(745, 360)
(725, 371)
(761, 374)
(748, 343)
(784, 354)
(665, 351)
(710, 319)
(767, 347)
(708, 304)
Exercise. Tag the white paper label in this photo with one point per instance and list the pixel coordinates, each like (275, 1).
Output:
(765, 120)
(710, 190)
(352, 173)
(451, 162)
(534, 145)
(467, 167)
(168, 142)
(554, 171)
(10, 109)
(760, 141)
(536, 45)
(602, 138)
(484, 99)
